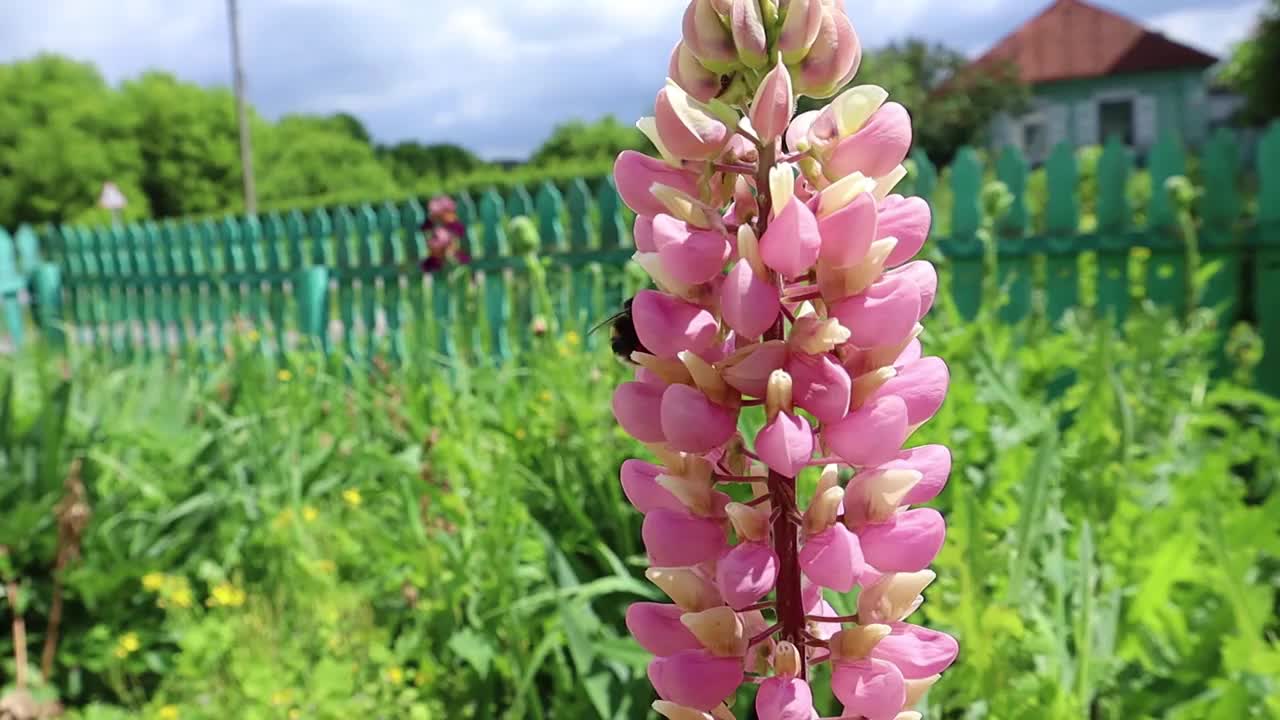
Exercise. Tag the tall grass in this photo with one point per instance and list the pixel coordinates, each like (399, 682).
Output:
(432, 542)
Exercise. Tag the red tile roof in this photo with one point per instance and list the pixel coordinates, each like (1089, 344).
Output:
(1072, 39)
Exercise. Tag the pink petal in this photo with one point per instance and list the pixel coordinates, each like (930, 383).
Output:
(870, 689)
(684, 142)
(692, 423)
(696, 678)
(824, 631)
(749, 305)
(848, 233)
(925, 277)
(668, 325)
(689, 255)
(636, 173)
(907, 220)
(781, 698)
(908, 542)
(786, 444)
(922, 385)
(798, 131)
(832, 558)
(746, 573)
(639, 484)
(884, 314)
(649, 377)
(931, 461)
(820, 385)
(800, 29)
(642, 232)
(638, 408)
(751, 375)
(918, 652)
(773, 105)
(870, 435)
(705, 34)
(910, 354)
(690, 75)
(678, 539)
(834, 56)
(657, 627)
(875, 150)
(792, 242)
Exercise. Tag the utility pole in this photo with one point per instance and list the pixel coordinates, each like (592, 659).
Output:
(246, 138)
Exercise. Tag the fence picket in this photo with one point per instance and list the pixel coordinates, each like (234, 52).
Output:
(1113, 286)
(1062, 259)
(964, 248)
(1167, 266)
(1267, 265)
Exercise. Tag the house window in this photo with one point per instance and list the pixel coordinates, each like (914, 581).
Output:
(1035, 139)
(1115, 117)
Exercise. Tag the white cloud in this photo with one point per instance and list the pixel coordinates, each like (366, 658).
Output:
(1213, 29)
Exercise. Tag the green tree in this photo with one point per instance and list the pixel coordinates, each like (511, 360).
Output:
(63, 132)
(411, 161)
(1252, 70)
(583, 141)
(951, 101)
(308, 159)
(189, 142)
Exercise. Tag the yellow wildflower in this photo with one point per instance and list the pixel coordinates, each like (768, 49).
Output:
(181, 597)
(520, 433)
(295, 714)
(283, 375)
(327, 567)
(545, 396)
(352, 497)
(395, 675)
(282, 519)
(282, 697)
(226, 595)
(169, 712)
(310, 514)
(153, 581)
(252, 336)
(572, 338)
(127, 644)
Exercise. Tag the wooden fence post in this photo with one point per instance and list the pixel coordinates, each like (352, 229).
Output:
(11, 284)
(963, 249)
(1267, 264)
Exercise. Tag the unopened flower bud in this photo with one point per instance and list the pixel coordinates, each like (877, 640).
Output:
(749, 36)
(886, 183)
(707, 37)
(691, 75)
(843, 192)
(855, 106)
(840, 283)
(693, 495)
(748, 370)
(707, 379)
(745, 205)
(720, 630)
(857, 643)
(648, 126)
(800, 28)
(682, 205)
(833, 59)
(867, 384)
(773, 105)
(874, 497)
(908, 715)
(916, 690)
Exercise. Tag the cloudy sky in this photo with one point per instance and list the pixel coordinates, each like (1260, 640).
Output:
(494, 75)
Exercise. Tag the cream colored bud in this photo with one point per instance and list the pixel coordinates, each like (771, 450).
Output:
(857, 643)
(671, 370)
(878, 495)
(649, 127)
(778, 395)
(886, 183)
(839, 283)
(786, 660)
(672, 711)
(707, 379)
(855, 106)
(916, 690)
(749, 250)
(842, 192)
(719, 629)
(681, 205)
(814, 335)
(865, 385)
(692, 494)
(750, 522)
(884, 356)
(782, 185)
(686, 587)
(822, 512)
(908, 715)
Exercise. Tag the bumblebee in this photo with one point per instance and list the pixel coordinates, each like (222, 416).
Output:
(623, 337)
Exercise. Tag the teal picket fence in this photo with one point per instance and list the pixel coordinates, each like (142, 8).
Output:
(346, 280)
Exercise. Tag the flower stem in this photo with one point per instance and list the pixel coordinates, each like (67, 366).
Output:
(834, 620)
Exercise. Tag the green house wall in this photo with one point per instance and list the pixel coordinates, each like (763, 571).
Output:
(1180, 102)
